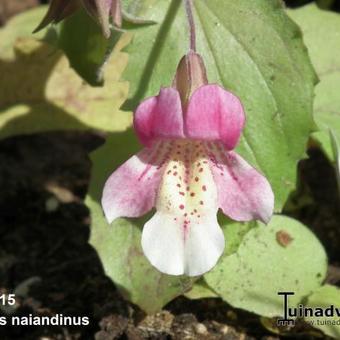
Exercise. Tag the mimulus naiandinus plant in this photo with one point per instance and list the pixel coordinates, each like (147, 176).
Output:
(187, 171)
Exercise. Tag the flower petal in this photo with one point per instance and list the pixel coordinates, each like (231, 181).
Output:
(159, 117)
(214, 114)
(131, 190)
(174, 251)
(183, 236)
(243, 193)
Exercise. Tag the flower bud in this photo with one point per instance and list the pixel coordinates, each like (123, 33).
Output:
(190, 75)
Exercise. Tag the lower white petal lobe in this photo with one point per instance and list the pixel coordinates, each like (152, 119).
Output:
(183, 237)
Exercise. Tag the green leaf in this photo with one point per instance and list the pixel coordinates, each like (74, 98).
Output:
(40, 92)
(133, 13)
(118, 244)
(323, 141)
(283, 256)
(321, 31)
(325, 297)
(82, 40)
(200, 290)
(137, 9)
(234, 232)
(251, 48)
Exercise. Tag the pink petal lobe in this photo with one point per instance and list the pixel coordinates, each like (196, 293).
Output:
(214, 114)
(159, 117)
(243, 193)
(130, 191)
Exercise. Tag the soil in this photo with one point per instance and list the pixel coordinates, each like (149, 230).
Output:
(45, 255)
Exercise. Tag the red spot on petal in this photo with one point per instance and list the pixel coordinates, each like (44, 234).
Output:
(175, 173)
(204, 188)
(181, 206)
(201, 170)
(181, 193)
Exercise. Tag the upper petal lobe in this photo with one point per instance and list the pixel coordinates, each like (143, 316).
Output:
(159, 117)
(214, 114)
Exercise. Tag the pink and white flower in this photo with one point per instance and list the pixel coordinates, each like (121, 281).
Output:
(187, 171)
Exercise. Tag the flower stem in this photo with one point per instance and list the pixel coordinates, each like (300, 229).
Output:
(190, 16)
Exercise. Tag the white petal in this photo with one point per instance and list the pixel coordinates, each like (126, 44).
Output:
(175, 252)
